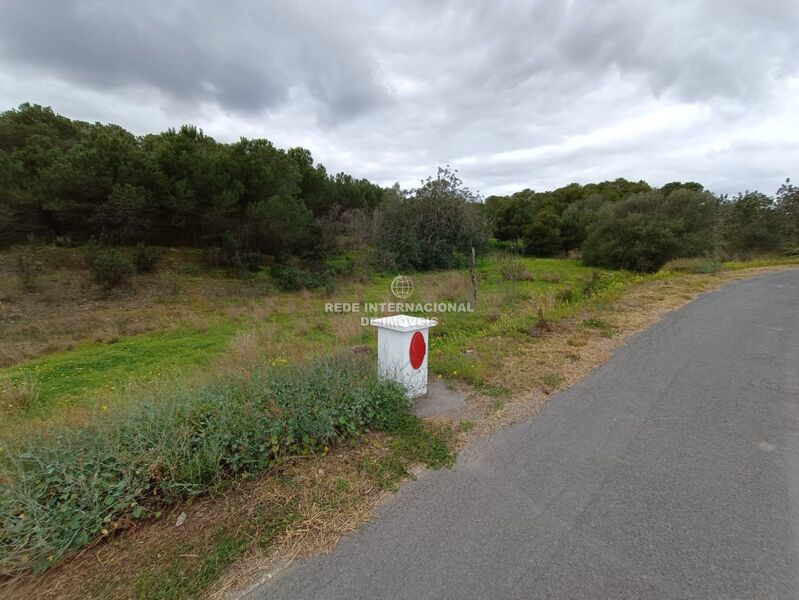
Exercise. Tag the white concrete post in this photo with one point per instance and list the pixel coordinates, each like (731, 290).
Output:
(402, 348)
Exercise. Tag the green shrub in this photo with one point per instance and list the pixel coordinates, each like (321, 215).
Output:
(108, 267)
(565, 296)
(290, 278)
(146, 258)
(28, 271)
(644, 231)
(595, 323)
(61, 490)
(231, 255)
(341, 264)
(591, 285)
(435, 227)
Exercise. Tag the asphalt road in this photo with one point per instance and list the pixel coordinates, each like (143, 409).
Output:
(670, 472)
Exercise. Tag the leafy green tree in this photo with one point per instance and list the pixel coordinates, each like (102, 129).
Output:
(750, 225)
(313, 180)
(646, 230)
(788, 206)
(512, 216)
(679, 185)
(125, 216)
(433, 227)
(80, 183)
(542, 235)
(282, 225)
(196, 198)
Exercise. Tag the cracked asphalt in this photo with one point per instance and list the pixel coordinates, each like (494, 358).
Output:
(670, 472)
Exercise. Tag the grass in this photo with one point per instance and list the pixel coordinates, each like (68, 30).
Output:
(66, 487)
(158, 333)
(187, 576)
(552, 381)
(772, 261)
(414, 442)
(94, 369)
(289, 326)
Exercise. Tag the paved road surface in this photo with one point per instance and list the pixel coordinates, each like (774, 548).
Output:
(670, 472)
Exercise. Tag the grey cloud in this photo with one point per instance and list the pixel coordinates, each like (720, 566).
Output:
(515, 94)
(245, 58)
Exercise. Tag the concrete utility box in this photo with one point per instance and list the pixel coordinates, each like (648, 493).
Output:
(402, 343)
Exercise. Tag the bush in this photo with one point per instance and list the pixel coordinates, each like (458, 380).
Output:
(565, 296)
(646, 230)
(340, 264)
(290, 278)
(146, 258)
(434, 228)
(28, 270)
(591, 285)
(109, 268)
(513, 269)
(19, 394)
(231, 255)
(693, 265)
(62, 490)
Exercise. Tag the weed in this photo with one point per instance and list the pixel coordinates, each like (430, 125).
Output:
(591, 285)
(67, 487)
(189, 576)
(693, 265)
(549, 277)
(146, 258)
(20, 394)
(565, 296)
(414, 442)
(268, 524)
(28, 270)
(513, 269)
(465, 426)
(552, 381)
(541, 325)
(109, 269)
(595, 323)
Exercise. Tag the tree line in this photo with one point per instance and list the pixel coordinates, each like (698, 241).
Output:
(69, 181)
(62, 179)
(632, 225)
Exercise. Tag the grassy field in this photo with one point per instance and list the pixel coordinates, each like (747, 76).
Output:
(192, 320)
(77, 361)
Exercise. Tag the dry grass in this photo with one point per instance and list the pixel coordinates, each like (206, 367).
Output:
(19, 395)
(346, 328)
(67, 309)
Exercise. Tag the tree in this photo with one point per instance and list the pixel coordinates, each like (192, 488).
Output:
(433, 227)
(750, 225)
(542, 235)
(788, 206)
(646, 230)
(282, 225)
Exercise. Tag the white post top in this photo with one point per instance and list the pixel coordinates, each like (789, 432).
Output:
(403, 323)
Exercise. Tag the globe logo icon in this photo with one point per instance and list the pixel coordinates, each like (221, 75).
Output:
(402, 287)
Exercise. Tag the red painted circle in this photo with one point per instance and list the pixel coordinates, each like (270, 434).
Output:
(418, 350)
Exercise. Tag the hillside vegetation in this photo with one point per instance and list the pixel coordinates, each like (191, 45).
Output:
(165, 332)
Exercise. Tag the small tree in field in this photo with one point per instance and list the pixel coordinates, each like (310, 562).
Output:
(433, 227)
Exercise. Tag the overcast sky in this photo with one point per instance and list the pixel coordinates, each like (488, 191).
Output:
(512, 94)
